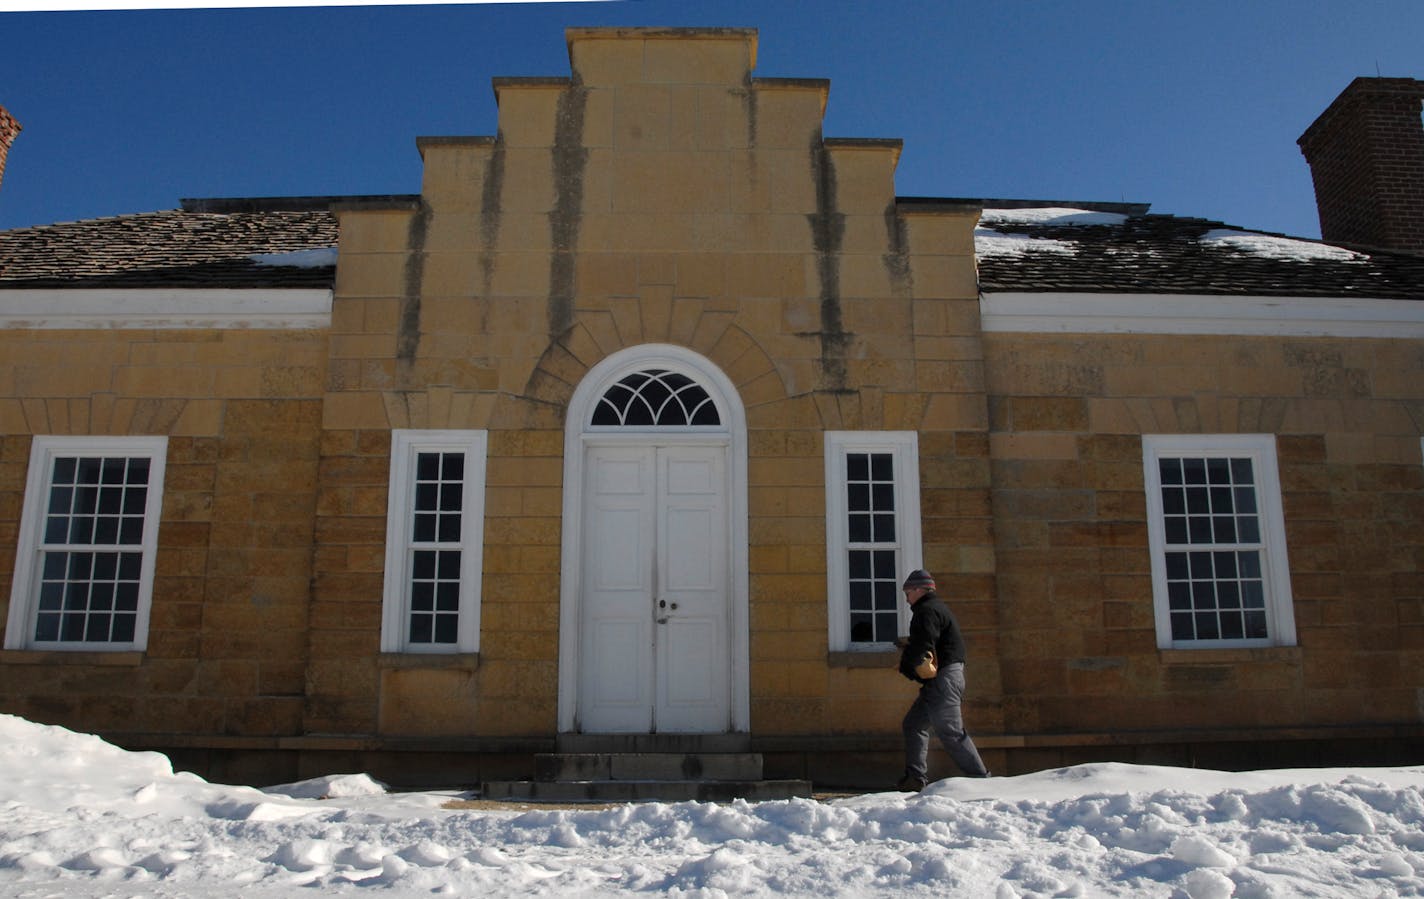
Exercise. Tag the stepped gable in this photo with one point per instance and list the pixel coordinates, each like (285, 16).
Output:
(1091, 248)
(204, 244)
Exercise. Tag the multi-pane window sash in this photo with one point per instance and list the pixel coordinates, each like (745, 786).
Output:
(1220, 572)
(872, 523)
(85, 572)
(433, 542)
(873, 550)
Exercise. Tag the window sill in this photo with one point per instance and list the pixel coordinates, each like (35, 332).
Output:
(870, 658)
(467, 661)
(119, 659)
(1229, 656)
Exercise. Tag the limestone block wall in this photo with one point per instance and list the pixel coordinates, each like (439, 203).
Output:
(227, 640)
(1079, 652)
(658, 195)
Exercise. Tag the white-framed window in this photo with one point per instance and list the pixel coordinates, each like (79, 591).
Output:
(872, 534)
(1219, 572)
(88, 535)
(434, 542)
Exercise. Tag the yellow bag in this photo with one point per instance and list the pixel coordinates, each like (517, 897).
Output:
(928, 666)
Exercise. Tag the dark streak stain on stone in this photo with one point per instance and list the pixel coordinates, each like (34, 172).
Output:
(408, 329)
(897, 255)
(569, 161)
(490, 212)
(827, 235)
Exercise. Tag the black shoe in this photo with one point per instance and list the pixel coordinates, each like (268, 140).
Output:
(910, 783)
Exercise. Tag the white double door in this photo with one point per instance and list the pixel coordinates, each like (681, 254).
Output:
(654, 653)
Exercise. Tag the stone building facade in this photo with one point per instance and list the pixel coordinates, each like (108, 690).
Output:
(629, 425)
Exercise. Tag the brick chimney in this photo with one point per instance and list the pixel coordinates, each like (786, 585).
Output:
(1366, 156)
(8, 129)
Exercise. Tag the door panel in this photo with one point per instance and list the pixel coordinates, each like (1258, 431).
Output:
(616, 683)
(692, 657)
(654, 646)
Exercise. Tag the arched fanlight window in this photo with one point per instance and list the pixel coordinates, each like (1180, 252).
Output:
(655, 397)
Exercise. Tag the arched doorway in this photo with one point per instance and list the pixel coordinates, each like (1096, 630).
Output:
(653, 607)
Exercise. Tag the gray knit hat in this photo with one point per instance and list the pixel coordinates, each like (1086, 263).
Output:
(918, 578)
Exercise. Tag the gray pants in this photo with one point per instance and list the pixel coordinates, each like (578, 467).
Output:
(937, 709)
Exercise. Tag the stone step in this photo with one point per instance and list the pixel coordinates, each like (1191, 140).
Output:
(646, 790)
(658, 766)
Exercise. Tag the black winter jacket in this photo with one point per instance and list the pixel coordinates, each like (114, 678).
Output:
(932, 625)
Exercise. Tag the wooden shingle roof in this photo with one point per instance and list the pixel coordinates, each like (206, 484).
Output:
(205, 244)
(1094, 251)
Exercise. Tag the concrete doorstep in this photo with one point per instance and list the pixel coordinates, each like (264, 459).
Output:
(646, 776)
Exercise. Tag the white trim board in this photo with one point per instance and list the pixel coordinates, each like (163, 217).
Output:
(1137, 313)
(176, 309)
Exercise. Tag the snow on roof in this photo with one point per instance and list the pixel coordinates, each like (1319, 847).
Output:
(995, 243)
(322, 257)
(1278, 247)
(1050, 215)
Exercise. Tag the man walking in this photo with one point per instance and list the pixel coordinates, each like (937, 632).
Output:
(934, 630)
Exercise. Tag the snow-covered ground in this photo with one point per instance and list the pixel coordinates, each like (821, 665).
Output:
(82, 818)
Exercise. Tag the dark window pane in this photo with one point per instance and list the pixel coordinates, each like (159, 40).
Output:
(706, 414)
(56, 529)
(858, 497)
(71, 628)
(427, 466)
(859, 529)
(47, 628)
(126, 597)
(447, 597)
(1220, 500)
(80, 566)
(887, 597)
(452, 467)
(885, 627)
(1225, 564)
(1182, 626)
(111, 500)
(101, 597)
(1201, 565)
(1194, 471)
(452, 497)
(51, 596)
(1245, 499)
(1250, 564)
(1203, 595)
(1228, 594)
(1177, 566)
(1199, 529)
(449, 528)
(114, 470)
(96, 629)
(422, 565)
(1241, 471)
(424, 529)
(420, 628)
(446, 628)
(1252, 595)
(1174, 501)
(1232, 627)
(81, 529)
(422, 597)
(106, 529)
(885, 565)
(860, 564)
(638, 414)
(1223, 529)
(1179, 596)
(884, 497)
(124, 628)
(1250, 529)
(857, 467)
(884, 529)
(861, 593)
(1198, 501)
(882, 467)
(60, 499)
(138, 471)
(1256, 625)
(131, 531)
(427, 497)
(1218, 471)
(449, 565)
(129, 566)
(862, 628)
(1170, 471)
(64, 470)
(1207, 628)
(86, 500)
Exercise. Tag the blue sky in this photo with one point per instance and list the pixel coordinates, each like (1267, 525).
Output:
(1191, 106)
